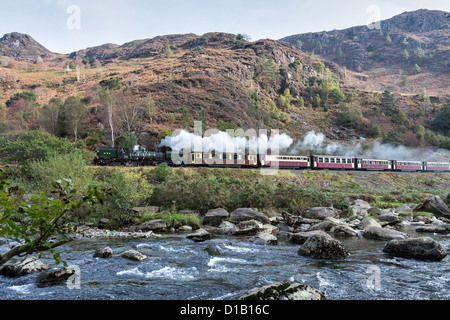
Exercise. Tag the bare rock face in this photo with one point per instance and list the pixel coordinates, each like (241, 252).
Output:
(103, 253)
(284, 291)
(417, 248)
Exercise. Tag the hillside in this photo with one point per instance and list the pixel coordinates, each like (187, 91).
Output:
(225, 81)
(385, 57)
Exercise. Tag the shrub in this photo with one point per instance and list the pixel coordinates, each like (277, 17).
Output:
(162, 171)
(38, 175)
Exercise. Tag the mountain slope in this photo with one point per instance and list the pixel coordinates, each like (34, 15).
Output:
(387, 56)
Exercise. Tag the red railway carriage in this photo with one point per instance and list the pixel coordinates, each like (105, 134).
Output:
(283, 161)
(373, 164)
(407, 165)
(436, 166)
(333, 163)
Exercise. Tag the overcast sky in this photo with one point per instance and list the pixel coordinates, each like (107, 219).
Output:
(65, 26)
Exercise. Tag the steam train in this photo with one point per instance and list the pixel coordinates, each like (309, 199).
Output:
(140, 157)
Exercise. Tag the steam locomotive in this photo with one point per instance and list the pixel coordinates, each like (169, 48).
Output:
(140, 157)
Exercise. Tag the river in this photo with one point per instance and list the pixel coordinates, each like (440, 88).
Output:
(180, 269)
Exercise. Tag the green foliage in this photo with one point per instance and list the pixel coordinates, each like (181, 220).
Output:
(166, 50)
(38, 175)
(442, 120)
(28, 96)
(112, 84)
(417, 69)
(336, 95)
(393, 137)
(319, 66)
(224, 126)
(239, 41)
(388, 103)
(162, 171)
(126, 140)
(35, 145)
(176, 220)
(44, 225)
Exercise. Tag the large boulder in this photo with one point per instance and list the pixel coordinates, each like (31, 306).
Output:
(248, 227)
(344, 230)
(360, 207)
(283, 291)
(389, 218)
(367, 223)
(245, 214)
(225, 227)
(103, 253)
(436, 206)
(322, 246)
(378, 233)
(416, 248)
(321, 213)
(29, 265)
(301, 237)
(199, 235)
(215, 217)
(152, 225)
(56, 277)
(264, 238)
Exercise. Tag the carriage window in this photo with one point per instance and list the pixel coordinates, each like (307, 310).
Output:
(338, 160)
(332, 160)
(327, 160)
(320, 160)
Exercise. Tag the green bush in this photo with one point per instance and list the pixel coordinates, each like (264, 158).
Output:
(162, 171)
(38, 175)
(35, 145)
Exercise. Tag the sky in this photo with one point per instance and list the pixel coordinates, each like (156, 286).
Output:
(64, 26)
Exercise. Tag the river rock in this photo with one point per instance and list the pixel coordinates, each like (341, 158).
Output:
(29, 265)
(301, 237)
(328, 224)
(134, 255)
(199, 235)
(283, 291)
(406, 208)
(143, 210)
(389, 218)
(245, 214)
(225, 227)
(103, 253)
(436, 206)
(215, 217)
(367, 223)
(249, 227)
(416, 248)
(321, 213)
(378, 233)
(322, 246)
(56, 277)
(343, 230)
(264, 238)
(271, 229)
(104, 223)
(435, 228)
(360, 207)
(152, 225)
(213, 250)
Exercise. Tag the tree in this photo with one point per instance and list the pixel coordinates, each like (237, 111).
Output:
(149, 107)
(319, 66)
(339, 54)
(45, 218)
(50, 114)
(442, 120)
(75, 113)
(166, 50)
(417, 69)
(130, 113)
(406, 55)
(109, 103)
(388, 103)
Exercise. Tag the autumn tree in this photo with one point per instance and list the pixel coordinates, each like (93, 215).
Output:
(108, 113)
(49, 116)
